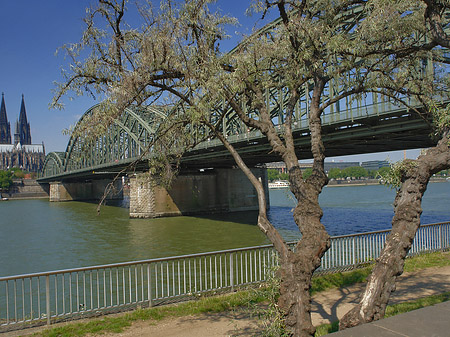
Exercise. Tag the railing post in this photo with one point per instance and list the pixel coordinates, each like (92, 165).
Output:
(354, 251)
(47, 297)
(231, 272)
(149, 286)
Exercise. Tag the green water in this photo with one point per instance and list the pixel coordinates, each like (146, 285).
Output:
(37, 235)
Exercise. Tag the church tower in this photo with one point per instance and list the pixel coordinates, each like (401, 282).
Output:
(5, 128)
(22, 127)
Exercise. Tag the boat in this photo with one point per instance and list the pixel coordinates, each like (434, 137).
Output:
(279, 184)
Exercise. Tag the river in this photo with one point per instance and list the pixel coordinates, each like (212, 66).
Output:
(37, 235)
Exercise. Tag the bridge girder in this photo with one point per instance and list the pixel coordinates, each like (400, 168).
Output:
(129, 136)
(351, 126)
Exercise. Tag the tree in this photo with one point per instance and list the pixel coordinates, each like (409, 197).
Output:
(5, 180)
(319, 52)
(355, 172)
(410, 178)
(17, 172)
(335, 173)
(272, 174)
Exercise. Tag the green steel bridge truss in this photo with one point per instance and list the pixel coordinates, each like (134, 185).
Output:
(352, 125)
(370, 124)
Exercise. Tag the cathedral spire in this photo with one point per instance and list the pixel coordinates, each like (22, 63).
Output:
(5, 128)
(23, 113)
(23, 125)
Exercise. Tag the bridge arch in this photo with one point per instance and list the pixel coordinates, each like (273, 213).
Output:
(53, 164)
(128, 136)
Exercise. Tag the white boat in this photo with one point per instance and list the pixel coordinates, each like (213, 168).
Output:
(279, 184)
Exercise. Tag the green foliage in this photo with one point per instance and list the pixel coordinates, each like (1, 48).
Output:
(335, 173)
(271, 316)
(441, 116)
(5, 180)
(357, 172)
(393, 177)
(17, 173)
(274, 174)
(307, 173)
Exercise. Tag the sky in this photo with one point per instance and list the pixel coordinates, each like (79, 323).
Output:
(31, 33)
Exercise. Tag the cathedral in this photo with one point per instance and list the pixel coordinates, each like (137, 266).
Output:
(22, 153)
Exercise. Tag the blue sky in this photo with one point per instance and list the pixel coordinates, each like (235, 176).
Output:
(31, 32)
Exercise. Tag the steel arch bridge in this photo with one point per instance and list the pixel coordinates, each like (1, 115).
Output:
(353, 125)
(365, 126)
(127, 138)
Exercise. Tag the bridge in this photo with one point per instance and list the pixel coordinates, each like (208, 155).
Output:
(361, 128)
(88, 165)
(208, 181)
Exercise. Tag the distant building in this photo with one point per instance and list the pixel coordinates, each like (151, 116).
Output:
(374, 165)
(281, 166)
(22, 154)
(339, 164)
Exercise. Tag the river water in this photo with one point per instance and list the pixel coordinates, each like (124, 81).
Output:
(37, 235)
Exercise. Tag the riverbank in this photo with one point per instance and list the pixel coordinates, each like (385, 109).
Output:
(26, 189)
(327, 307)
(368, 182)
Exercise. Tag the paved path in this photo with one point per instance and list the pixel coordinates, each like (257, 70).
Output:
(431, 321)
(327, 307)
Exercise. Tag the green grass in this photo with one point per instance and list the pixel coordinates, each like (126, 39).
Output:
(208, 304)
(338, 280)
(117, 324)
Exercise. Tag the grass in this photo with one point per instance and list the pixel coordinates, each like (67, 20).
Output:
(210, 304)
(117, 324)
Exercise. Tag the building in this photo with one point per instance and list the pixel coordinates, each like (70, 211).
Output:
(22, 153)
(374, 165)
(339, 164)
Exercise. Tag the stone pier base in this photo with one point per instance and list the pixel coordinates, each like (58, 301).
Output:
(213, 191)
(87, 190)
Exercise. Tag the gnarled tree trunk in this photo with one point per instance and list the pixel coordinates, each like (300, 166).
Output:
(406, 221)
(298, 268)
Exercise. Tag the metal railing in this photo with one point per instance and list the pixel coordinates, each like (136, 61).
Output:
(42, 298)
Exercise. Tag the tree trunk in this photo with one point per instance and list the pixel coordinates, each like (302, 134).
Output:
(297, 270)
(406, 221)
(296, 273)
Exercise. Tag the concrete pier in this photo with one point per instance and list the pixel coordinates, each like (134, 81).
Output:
(84, 191)
(212, 191)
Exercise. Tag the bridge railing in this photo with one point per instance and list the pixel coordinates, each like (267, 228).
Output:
(42, 298)
(349, 115)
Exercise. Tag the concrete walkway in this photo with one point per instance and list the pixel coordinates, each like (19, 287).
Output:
(431, 321)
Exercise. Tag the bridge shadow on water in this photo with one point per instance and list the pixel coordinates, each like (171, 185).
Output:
(243, 217)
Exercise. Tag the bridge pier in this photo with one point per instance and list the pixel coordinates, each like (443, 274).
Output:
(86, 190)
(212, 191)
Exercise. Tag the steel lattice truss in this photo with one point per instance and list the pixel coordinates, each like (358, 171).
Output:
(129, 137)
(352, 125)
